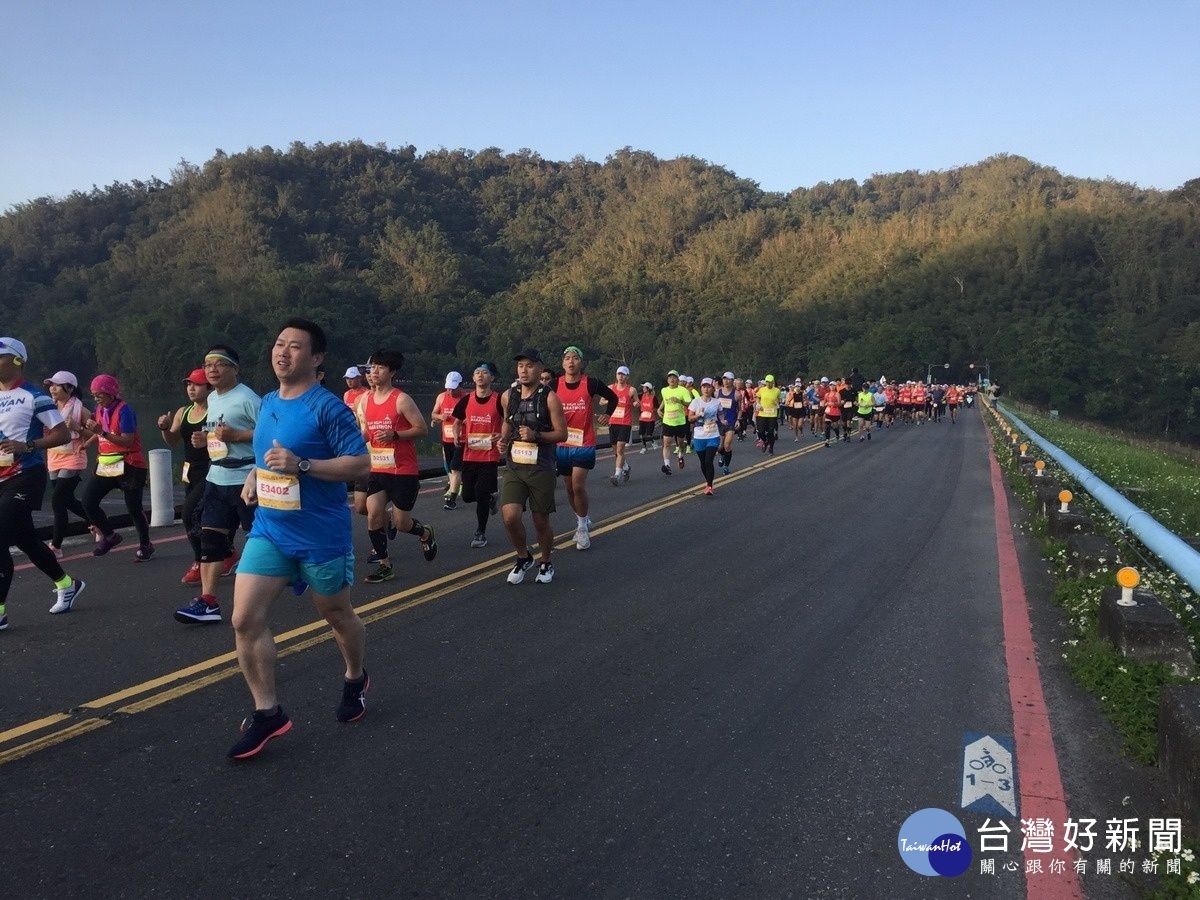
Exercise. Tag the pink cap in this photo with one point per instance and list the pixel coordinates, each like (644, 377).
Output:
(106, 384)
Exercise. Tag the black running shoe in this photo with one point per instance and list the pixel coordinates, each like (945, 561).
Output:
(354, 699)
(429, 543)
(257, 730)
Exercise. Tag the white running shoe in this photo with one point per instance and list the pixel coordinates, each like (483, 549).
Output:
(517, 575)
(66, 596)
(545, 573)
(582, 539)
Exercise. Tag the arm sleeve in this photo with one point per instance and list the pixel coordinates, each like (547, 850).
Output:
(598, 388)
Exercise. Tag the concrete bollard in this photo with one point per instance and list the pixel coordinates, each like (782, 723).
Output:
(1089, 553)
(1146, 631)
(162, 489)
(1047, 491)
(1179, 750)
(1064, 524)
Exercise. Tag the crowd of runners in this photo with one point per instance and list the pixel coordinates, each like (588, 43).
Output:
(294, 470)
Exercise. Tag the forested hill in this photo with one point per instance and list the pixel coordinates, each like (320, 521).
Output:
(1079, 293)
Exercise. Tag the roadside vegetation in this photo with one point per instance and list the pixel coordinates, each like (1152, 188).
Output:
(1127, 691)
(1169, 490)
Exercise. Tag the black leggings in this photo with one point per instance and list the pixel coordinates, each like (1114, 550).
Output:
(707, 455)
(193, 505)
(768, 430)
(63, 501)
(19, 496)
(132, 485)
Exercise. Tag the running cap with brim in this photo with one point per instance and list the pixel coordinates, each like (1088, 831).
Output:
(353, 372)
(674, 372)
(689, 379)
(453, 380)
(622, 370)
(62, 378)
(13, 347)
(647, 384)
(728, 375)
(704, 381)
(771, 378)
(488, 367)
(824, 380)
(530, 354)
(575, 350)
(196, 376)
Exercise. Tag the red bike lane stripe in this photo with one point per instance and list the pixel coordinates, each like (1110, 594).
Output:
(1038, 776)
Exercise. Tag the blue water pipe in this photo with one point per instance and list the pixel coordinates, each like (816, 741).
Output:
(1175, 553)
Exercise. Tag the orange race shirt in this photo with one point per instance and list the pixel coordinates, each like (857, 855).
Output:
(394, 457)
(622, 413)
(577, 408)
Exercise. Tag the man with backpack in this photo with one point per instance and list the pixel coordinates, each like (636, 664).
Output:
(534, 423)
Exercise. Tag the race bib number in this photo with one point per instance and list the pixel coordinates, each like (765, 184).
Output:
(524, 453)
(110, 466)
(726, 402)
(771, 411)
(447, 432)
(278, 491)
(6, 459)
(479, 442)
(574, 437)
(707, 430)
(383, 457)
(187, 466)
(216, 449)
(619, 412)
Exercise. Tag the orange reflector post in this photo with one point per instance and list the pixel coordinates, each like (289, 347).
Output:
(1128, 577)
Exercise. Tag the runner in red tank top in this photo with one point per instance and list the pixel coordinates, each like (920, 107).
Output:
(480, 419)
(620, 424)
(577, 454)
(391, 422)
(443, 417)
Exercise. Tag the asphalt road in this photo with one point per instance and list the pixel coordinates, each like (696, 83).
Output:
(736, 696)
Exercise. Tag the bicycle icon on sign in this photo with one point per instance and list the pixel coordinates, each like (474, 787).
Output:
(987, 761)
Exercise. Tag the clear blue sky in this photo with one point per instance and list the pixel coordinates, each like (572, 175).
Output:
(786, 94)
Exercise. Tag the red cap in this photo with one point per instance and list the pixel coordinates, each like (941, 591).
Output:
(197, 377)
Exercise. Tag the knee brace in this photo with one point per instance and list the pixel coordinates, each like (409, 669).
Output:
(213, 546)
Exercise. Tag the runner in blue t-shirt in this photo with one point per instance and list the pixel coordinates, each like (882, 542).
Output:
(306, 447)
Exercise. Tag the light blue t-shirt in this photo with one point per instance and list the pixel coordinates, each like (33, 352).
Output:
(705, 427)
(237, 408)
(315, 425)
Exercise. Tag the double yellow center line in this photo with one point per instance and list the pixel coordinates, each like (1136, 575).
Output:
(23, 740)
